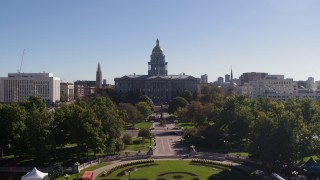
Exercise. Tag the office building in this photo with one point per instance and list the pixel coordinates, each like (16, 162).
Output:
(18, 87)
(204, 79)
(67, 91)
(252, 76)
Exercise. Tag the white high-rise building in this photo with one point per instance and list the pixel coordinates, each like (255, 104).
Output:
(273, 85)
(20, 86)
(310, 83)
(278, 88)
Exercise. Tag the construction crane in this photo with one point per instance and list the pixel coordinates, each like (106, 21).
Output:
(19, 71)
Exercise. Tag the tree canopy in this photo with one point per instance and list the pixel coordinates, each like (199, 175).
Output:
(31, 129)
(177, 102)
(270, 131)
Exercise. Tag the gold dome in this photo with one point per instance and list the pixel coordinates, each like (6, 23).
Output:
(157, 48)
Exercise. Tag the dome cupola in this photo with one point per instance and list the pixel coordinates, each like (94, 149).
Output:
(157, 65)
(157, 48)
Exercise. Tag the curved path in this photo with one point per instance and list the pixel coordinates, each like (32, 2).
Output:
(107, 167)
(116, 163)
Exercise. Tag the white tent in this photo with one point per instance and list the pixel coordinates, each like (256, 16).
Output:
(35, 174)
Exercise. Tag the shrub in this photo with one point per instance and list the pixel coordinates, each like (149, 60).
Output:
(144, 133)
(107, 173)
(127, 139)
(56, 171)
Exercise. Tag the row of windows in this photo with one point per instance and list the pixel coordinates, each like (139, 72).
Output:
(277, 82)
(286, 97)
(19, 90)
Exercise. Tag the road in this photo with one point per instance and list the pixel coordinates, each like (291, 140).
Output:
(167, 140)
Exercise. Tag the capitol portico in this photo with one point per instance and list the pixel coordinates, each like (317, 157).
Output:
(158, 85)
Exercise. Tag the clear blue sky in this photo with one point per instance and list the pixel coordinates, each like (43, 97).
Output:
(69, 38)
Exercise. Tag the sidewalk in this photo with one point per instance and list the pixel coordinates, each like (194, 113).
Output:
(104, 168)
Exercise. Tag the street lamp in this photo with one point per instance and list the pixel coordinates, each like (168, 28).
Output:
(77, 165)
(129, 174)
(66, 176)
(192, 146)
(192, 150)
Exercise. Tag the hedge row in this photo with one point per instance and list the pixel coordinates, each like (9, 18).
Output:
(206, 161)
(108, 172)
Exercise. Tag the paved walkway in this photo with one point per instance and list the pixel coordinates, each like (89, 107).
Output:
(107, 167)
(169, 146)
(168, 126)
(116, 163)
(167, 141)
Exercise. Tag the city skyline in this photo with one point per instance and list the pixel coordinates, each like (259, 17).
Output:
(70, 38)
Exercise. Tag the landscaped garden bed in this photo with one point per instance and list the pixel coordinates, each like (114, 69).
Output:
(170, 170)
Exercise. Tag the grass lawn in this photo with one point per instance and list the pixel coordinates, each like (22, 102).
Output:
(136, 146)
(141, 125)
(185, 125)
(10, 156)
(67, 155)
(314, 157)
(87, 169)
(170, 170)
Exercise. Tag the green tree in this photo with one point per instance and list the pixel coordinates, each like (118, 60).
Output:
(276, 134)
(310, 111)
(196, 112)
(145, 98)
(306, 113)
(261, 137)
(112, 124)
(80, 125)
(234, 118)
(92, 132)
(130, 114)
(12, 127)
(177, 102)
(187, 95)
(127, 139)
(61, 125)
(100, 102)
(273, 108)
(212, 94)
(33, 103)
(145, 133)
(38, 128)
(56, 171)
(143, 109)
